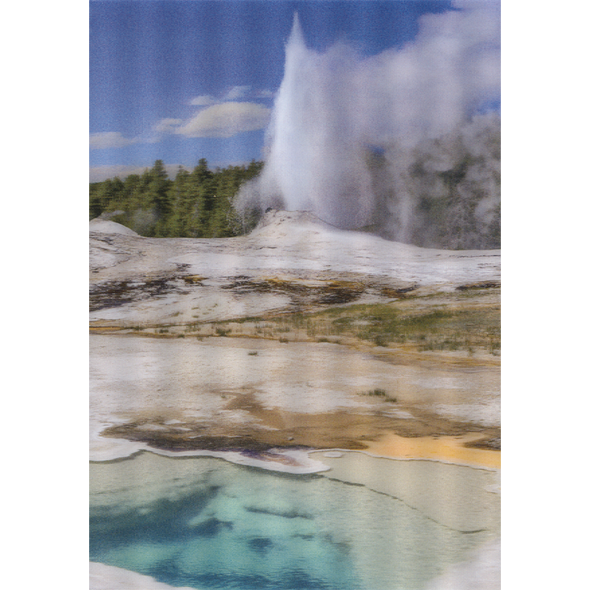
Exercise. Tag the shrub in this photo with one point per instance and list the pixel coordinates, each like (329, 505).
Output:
(377, 392)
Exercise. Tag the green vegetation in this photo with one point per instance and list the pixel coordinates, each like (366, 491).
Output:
(432, 327)
(430, 323)
(197, 204)
(380, 393)
(459, 321)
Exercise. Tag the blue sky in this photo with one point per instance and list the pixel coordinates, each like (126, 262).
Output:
(184, 80)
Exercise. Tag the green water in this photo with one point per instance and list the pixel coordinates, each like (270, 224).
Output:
(206, 523)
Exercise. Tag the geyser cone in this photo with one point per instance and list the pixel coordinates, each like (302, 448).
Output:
(358, 140)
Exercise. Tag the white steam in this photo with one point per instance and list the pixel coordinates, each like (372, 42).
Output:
(336, 110)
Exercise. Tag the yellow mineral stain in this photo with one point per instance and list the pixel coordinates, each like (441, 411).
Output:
(444, 448)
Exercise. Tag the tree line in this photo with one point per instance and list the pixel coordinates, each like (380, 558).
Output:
(196, 204)
(454, 208)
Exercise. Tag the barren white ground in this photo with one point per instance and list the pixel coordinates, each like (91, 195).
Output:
(286, 245)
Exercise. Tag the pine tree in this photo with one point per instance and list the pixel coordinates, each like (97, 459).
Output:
(204, 191)
(105, 196)
(182, 205)
(222, 220)
(95, 203)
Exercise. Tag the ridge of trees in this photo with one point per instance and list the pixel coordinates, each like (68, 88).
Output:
(197, 204)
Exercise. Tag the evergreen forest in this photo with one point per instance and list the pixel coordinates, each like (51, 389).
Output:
(197, 204)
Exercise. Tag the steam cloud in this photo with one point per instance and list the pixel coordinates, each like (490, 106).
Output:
(382, 141)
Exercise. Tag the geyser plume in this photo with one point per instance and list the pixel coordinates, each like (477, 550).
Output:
(385, 140)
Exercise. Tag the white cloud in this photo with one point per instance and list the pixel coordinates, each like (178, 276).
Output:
(226, 120)
(203, 100)
(216, 118)
(167, 125)
(109, 139)
(237, 92)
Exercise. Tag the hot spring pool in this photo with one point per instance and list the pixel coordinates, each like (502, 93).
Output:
(202, 522)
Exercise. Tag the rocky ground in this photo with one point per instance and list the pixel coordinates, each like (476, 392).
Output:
(297, 335)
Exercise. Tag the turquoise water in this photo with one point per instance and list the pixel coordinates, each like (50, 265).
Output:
(206, 523)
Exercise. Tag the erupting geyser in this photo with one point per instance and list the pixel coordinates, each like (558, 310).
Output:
(400, 141)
